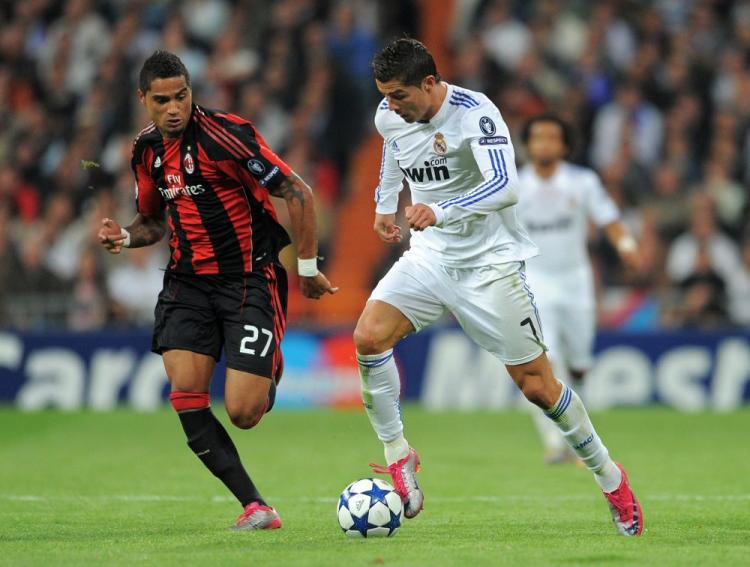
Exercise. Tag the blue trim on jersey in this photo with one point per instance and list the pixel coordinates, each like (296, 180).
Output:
(494, 189)
(375, 363)
(465, 105)
(498, 181)
(465, 97)
(382, 168)
(487, 185)
(561, 406)
(465, 94)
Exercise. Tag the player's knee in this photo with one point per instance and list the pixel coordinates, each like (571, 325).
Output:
(368, 340)
(248, 416)
(535, 390)
(246, 420)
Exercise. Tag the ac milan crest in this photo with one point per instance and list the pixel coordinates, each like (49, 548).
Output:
(188, 163)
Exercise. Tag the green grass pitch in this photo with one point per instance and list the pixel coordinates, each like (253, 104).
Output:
(122, 488)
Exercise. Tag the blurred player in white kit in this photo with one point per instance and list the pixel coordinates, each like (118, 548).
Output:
(558, 201)
(466, 256)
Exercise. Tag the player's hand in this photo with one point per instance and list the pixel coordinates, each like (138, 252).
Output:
(110, 235)
(420, 216)
(387, 229)
(314, 287)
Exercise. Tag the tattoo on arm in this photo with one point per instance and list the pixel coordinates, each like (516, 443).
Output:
(145, 230)
(291, 188)
(300, 204)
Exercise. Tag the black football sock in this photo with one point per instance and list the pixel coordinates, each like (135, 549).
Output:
(209, 440)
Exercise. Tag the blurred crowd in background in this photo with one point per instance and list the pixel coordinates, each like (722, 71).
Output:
(658, 92)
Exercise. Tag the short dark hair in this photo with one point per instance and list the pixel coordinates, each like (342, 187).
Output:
(565, 128)
(161, 65)
(406, 60)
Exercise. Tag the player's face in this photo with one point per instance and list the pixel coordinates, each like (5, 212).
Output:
(168, 103)
(546, 143)
(409, 102)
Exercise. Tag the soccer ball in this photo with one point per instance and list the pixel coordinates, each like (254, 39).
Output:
(370, 508)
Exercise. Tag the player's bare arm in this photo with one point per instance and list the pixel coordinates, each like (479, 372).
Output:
(420, 216)
(301, 205)
(143, 231)
(386, 228)
(626, 246)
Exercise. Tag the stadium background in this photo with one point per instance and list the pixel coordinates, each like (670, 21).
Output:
(659, 94)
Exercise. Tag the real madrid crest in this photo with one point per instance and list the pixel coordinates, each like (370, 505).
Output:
(188, 163)
(440, 145)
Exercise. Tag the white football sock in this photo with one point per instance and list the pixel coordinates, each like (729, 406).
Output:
(381, 390)
(549, 432)
(570, 416)
(552, 439)
(396, 450)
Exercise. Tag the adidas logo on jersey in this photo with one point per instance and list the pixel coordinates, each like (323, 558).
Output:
(434, 170)
(157, 162)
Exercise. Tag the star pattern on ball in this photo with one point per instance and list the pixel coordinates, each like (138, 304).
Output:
(362, 524)
(395, 522)
(377, 494)
(343, 499)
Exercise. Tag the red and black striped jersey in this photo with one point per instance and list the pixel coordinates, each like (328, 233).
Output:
(214, 183)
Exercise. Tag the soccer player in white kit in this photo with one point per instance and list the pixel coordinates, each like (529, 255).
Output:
(557, 202)
(467, 256)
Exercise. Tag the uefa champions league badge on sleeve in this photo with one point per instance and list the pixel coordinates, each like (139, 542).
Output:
(487, 126)
(256, 166)
(440, 145)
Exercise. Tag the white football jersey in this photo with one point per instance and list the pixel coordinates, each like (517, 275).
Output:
(556, 212)
(462, 164)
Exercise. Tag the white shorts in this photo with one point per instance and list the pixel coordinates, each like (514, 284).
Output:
(568, 310)
(493, 304)
(569, 333)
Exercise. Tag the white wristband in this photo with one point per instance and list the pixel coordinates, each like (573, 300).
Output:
(126, 235)
(307, 267)
(627, 244)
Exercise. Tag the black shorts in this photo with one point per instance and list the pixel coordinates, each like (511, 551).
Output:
(244, 314)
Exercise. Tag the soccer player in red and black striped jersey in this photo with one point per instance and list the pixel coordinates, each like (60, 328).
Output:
(205, 176)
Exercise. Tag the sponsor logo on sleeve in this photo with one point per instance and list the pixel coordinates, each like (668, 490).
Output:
(271, 175)
(493, 141)
(487, 126)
